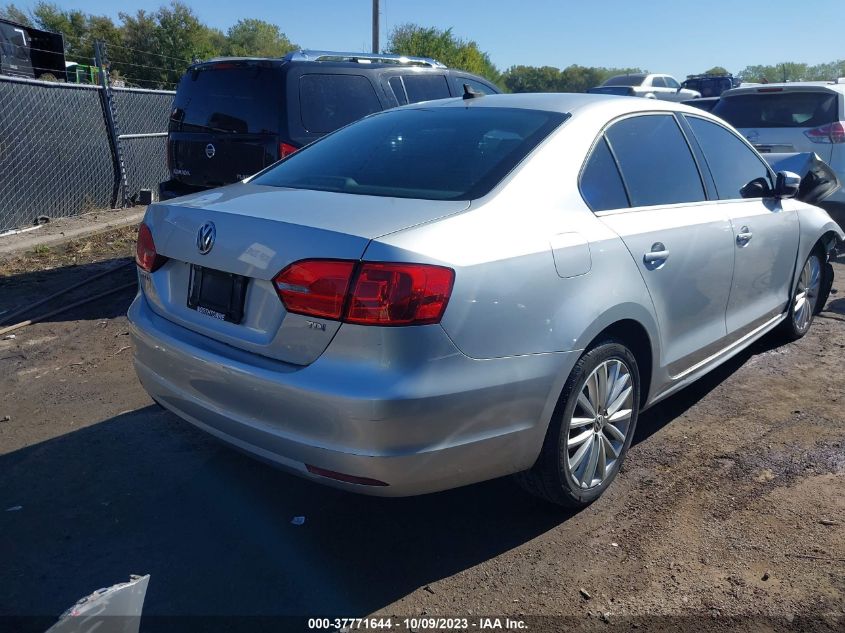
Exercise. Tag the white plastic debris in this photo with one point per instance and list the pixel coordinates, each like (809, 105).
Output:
(96, 612)
(298, 521)
(10, 337)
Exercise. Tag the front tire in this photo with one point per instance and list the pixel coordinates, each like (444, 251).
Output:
(591, 430)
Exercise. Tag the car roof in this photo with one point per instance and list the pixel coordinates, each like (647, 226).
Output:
(564, 102)
(791, 86)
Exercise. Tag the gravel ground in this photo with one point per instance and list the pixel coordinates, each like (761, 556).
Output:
(728, 515)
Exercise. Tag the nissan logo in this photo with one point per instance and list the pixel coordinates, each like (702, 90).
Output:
(210, 151)
(205, 237)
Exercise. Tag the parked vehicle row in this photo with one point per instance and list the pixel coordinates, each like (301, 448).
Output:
(341, 313)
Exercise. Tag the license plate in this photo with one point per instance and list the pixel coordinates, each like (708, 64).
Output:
(217, 294)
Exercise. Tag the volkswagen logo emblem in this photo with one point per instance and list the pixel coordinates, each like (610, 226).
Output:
(210, 151)
(205, 237)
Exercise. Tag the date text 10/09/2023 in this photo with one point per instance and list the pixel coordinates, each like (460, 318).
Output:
(422, 623)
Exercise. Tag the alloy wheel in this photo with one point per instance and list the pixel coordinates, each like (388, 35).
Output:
(600, 423)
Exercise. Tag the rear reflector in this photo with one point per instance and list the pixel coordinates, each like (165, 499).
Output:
(285, 150)
(350, 479)
(831, 133)
(145, 251)
(366, 293)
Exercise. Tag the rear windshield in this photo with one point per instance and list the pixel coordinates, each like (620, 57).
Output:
(431, 154)
(624, 80)
(778, 109)
(229, 97)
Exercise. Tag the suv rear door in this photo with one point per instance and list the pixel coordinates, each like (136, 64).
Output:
(778, 119)
(225, 123)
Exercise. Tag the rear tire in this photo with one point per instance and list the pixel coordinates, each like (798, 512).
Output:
(808, 297)
(591, 429)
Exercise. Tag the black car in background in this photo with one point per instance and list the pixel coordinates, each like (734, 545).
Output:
(234, 116)
(710, 85)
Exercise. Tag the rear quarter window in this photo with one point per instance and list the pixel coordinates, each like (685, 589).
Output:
(328, 102)
(779, 109)
(601, 185)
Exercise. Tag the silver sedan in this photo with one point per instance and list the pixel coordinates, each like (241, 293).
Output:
(464, 289)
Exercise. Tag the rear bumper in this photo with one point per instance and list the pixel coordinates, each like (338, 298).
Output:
(432, 422)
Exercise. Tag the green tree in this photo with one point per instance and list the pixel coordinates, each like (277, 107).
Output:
(717, 70)
(411, 39)
(13, 13)
(253, 37)
(531, 79)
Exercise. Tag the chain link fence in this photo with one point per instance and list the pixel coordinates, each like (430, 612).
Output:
(141, 117)
(56, 156)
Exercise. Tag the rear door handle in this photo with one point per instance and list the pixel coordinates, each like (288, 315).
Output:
(658, 253)
(744, 236)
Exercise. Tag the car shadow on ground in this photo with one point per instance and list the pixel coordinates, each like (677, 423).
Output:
(144, 492)
(24, 289)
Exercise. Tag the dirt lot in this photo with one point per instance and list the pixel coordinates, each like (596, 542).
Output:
(729, 514)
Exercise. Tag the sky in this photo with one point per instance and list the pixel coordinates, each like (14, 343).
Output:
(678, 38)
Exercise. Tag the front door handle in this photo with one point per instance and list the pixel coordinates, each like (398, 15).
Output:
(658, 253)
(744, 236)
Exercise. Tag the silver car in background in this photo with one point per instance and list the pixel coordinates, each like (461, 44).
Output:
(648, 85)
(459, 290)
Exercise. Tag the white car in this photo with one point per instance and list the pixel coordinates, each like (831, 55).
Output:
(792, 117)
(650, 86)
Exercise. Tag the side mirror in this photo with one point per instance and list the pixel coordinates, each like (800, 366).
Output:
(787, 185)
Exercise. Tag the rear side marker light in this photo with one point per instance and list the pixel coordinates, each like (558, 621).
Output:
(145, 251)
(827, 134)
(366, 293)
(350, 479)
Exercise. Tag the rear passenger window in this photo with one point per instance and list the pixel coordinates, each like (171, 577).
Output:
(328, 102)
(731, 162)
(601, 185)
(655, 161)
(426, 87)
(657, 82)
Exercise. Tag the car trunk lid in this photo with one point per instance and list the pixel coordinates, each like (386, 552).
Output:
(259, 230)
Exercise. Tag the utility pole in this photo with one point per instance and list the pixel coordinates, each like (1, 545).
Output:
(375, 26)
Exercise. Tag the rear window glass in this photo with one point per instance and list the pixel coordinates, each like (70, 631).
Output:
(778, 109)
(431, 154)
(426, 87)
(229, 98)
(329, 102)
(625, 80)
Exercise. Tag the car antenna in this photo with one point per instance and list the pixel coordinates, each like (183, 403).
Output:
(469, 93)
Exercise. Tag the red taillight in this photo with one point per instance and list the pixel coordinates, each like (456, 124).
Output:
(369, 293)
(315, 287)
(399, 294)
(145, 251)
(831, 133)
(285, 150)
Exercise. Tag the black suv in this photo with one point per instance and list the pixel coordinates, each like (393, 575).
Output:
(234, 116)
